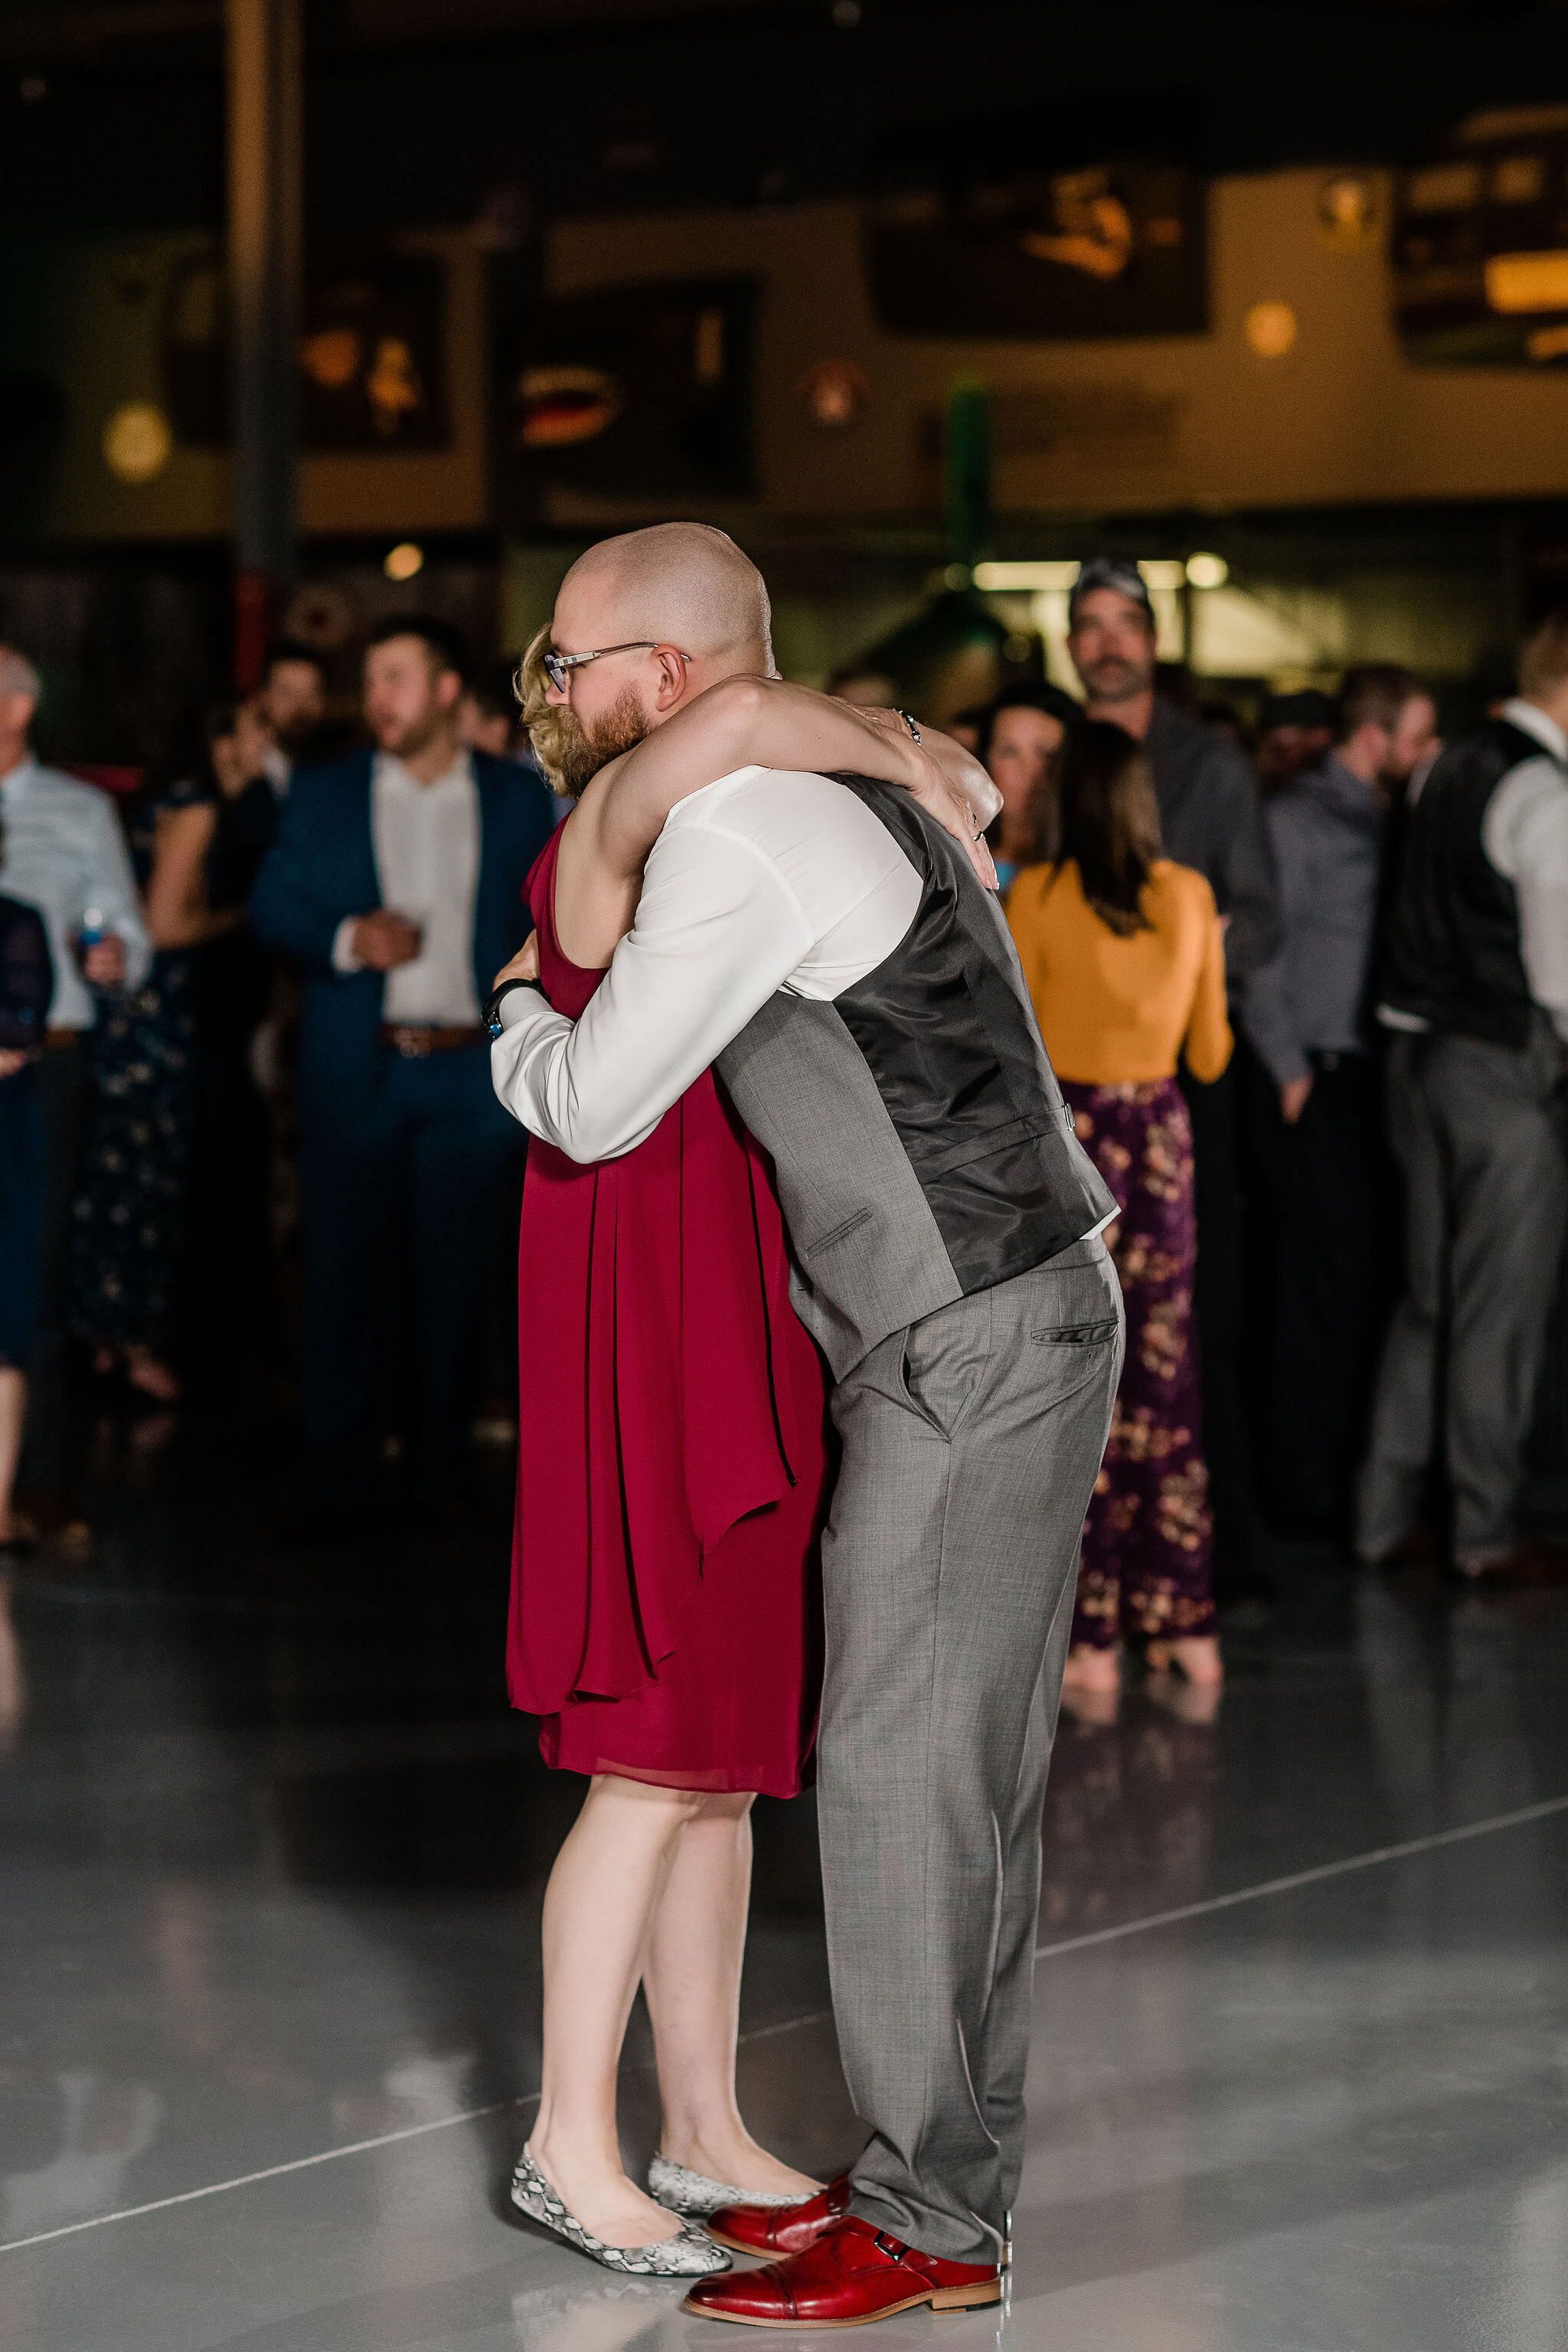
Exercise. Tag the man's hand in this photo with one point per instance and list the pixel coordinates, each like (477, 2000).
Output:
(524, 964)
(103, 963)
(383, 940)
(1293, 1100)
(12, 1059)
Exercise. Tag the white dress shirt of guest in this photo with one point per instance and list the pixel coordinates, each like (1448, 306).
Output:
(1525, 837)
(64, 852)
(424, 833)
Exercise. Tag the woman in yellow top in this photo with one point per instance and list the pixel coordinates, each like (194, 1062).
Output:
(1124, 957)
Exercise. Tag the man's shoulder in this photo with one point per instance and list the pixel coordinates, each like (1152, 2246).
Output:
(325, 795)
(776, 805)
(343, 773)
(1299, 805)
(1178, 735)
(1533, 792)
(822, 839)
(66, 791)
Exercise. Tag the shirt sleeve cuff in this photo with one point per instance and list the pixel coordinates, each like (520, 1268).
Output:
(517, 1005)
(1287, 1065)
(1281, 1056)
(343, 956)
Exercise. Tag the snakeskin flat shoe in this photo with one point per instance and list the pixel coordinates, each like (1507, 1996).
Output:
(691, 2254)
(689, 2192)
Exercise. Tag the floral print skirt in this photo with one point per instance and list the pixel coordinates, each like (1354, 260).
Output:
(1144, 1571)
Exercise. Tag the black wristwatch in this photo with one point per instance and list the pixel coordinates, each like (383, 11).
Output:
(491, 1015)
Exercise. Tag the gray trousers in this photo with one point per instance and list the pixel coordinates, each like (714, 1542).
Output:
(1477, 1131)
(972, 1441)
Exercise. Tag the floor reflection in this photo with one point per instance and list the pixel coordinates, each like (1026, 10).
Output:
(602, 2315)
(1129, 1808)
(12, 1674)
(274, 1847)
(103, 2126)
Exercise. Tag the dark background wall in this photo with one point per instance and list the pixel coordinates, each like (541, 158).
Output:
(419, 114)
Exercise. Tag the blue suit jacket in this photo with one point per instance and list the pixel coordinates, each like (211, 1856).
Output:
(323, 868)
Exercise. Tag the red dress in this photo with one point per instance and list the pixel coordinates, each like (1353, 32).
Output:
(665, 1600)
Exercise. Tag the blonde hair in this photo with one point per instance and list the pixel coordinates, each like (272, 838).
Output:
(542, 719)
(1543, 657)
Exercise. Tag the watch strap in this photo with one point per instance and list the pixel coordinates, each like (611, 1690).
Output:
(491, 1015)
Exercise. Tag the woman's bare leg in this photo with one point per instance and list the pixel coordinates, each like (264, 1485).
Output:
(12, 1414)
(1092, 1669)
(598, 1909)
(692, 1982)
(1196, 1656)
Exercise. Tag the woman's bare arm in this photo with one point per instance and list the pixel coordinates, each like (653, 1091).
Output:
(767, 723)
(744, 722)
(177, 911)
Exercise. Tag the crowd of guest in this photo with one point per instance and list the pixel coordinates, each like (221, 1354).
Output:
(187, 1013)
(1308, 999)
(1304, 987)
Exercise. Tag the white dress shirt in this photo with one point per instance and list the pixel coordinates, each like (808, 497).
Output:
(64, 852)
(425, 838)
(1525, 836)
(766, 879)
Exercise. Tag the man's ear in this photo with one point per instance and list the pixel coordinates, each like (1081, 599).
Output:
(671, 682)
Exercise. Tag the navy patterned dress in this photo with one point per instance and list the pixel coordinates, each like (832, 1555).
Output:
(130, 1211)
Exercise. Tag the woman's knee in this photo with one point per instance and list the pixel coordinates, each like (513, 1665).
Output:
(649, 1798)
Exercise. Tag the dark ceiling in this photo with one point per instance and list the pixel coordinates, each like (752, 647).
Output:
(430, 110)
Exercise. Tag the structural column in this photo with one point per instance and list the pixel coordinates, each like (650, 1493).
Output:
(265, 211)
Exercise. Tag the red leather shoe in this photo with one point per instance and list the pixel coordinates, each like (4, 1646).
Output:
(781, 2229)
(853, 2274)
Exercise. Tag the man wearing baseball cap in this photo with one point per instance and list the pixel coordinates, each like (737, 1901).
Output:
(1210, 818)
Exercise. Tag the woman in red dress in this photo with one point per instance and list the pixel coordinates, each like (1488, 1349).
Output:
(672, 1480)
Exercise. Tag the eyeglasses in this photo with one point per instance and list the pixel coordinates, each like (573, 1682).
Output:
(558, 667)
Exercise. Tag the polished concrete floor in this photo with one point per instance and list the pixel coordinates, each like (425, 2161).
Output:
(272, 1850)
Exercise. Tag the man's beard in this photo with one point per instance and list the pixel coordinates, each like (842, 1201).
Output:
(1112, 680)
(579, 755)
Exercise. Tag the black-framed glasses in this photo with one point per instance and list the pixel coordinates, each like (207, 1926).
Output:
(558, 667)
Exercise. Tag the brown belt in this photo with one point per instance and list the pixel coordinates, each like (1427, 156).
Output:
(414, 1039)
(58, 1037)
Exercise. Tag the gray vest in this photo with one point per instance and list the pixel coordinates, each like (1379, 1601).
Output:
(920, 1140)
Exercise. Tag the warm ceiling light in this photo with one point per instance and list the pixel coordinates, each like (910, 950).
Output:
(1271, 328)
(403, 561)
(1207, 571)
(1162, 571)
(1023, 579)
(1527, 281)
(137, 442)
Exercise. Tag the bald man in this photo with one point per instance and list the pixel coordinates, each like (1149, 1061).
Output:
(829, 949)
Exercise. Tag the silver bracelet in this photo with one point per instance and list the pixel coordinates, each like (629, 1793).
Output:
(909, 722)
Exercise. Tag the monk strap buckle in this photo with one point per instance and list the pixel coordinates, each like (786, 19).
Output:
(894, 2247)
